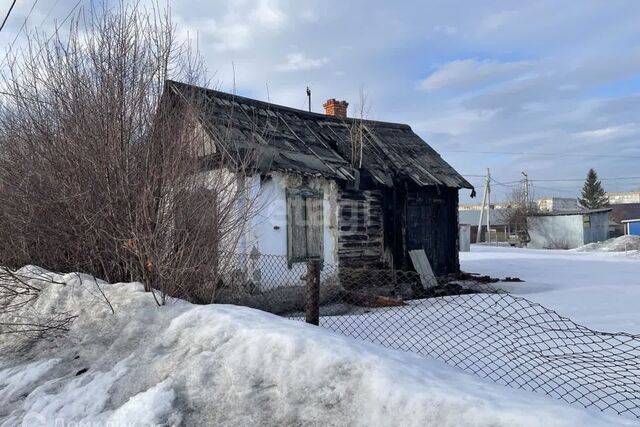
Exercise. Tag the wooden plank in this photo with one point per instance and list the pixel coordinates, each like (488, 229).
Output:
(423, 267)
(315, 227)
(296, 234)
(360, 227)
(312, 299)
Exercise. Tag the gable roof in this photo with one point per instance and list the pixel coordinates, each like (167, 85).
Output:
(497, 217)
(624, 212)
(572, 212)
(309, 143)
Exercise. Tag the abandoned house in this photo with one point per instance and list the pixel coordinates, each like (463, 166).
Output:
(351, 192)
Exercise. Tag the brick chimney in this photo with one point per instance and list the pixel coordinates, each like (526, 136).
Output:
(335, 108)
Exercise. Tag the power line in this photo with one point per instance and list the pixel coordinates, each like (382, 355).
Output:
(24, 98)
(564, 190)
(59, 26)
(525, 153)
(619, 178)
(517, 183)
(512, 184)
(49, 13)
(7, 15)
(24, 23)
(4, 60)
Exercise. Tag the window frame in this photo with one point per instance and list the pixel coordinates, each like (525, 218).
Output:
(306, 195)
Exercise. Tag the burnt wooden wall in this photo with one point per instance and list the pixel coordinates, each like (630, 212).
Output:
(360, 229)
(432, 224)
(378, 228)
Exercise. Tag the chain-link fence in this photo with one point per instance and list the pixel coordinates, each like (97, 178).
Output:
(472, 326)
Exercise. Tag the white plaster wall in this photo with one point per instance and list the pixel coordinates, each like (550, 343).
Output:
(266, 236)
(269, 226)
(554, 232)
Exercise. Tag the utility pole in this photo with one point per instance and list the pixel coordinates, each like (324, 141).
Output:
(309, 97)
(525, 190)
(523, 234)
(312, 293)
(486, 200)
(488, 206)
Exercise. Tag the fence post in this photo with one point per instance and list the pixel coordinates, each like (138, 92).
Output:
(313, 292)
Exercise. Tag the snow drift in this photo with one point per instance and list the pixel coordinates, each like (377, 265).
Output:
(617, 244)
(224, 365)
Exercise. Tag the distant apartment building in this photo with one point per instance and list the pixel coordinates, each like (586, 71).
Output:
(557, 204)
(478, 206)
(546, 204)
(624, 197)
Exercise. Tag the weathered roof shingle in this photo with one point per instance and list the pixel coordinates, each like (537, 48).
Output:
(316, 144)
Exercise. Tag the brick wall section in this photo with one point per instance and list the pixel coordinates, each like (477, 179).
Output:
(336, 108)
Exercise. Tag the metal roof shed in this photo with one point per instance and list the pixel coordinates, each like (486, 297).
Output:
(568, 229)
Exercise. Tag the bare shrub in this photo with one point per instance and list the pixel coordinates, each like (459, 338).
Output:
(359, 136)
(101, 167)
(558, 244)
(18, 292)
(517, 213)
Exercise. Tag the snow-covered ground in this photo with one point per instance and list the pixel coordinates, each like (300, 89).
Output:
(223, 365)
(600, 290)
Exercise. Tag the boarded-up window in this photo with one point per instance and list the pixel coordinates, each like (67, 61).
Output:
(586, 221)
(304, 225)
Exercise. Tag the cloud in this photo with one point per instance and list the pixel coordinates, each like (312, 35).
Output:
(268, 14)
(298, 61)
(239, 26)
(232, 36)
(455, 73)
(309, 15)
(577, 91)
(447, 30)
(466, 73)
(610, 132)
(495, 21)
(455, 121)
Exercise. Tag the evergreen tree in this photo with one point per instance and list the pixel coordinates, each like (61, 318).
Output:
(593, 195)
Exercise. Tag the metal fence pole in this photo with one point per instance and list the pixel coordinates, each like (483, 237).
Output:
(313, 292)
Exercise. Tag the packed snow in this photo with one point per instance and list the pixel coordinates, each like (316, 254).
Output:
(600, 290)
(628, 244)
(224, 365)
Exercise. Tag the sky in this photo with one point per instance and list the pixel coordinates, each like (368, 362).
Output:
(543, 87)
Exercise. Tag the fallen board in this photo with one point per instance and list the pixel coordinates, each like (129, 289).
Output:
(423, 267)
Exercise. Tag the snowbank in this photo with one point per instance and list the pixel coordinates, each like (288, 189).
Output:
(600, 290)
(617, 244)
(225, 365)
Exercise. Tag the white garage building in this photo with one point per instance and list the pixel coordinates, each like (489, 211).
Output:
(568, 229)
